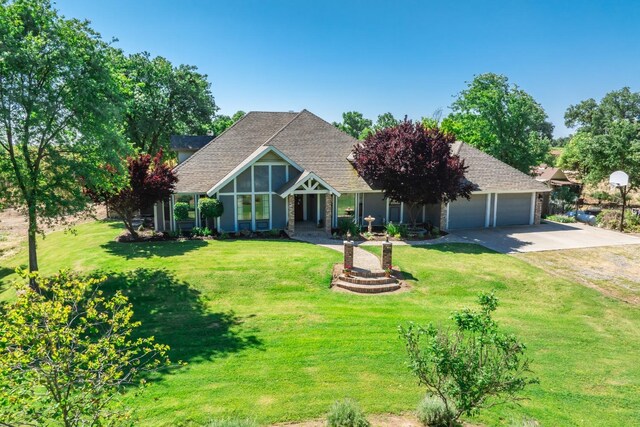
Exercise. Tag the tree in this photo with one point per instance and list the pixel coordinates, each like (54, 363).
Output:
(149, 180)
(67, 352)
(354, 124)
(386, 120)
(60, 114)
(607, 140)
(502, 120)
(474, 366)
(165, 100)
(221, 122)
(210, 208)
(414, 165)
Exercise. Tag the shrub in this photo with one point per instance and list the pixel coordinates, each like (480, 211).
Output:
(67, 351)
(272, 233)
(232, 422)
(397, 230)
(561, 218)
(610, 218)
(200, 232)
(601, 196)
(346, 413)
(210, 208)
(181, 211)
(348, 225)
(432, 412)
(472, 367)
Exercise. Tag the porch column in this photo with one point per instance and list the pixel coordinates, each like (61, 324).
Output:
(328, 213)
(291, 209)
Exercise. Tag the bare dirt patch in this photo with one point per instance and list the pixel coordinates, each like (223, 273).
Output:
(13, 227)
(612, 270)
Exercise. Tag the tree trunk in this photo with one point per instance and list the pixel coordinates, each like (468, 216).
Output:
(128, 223)
(33, 255)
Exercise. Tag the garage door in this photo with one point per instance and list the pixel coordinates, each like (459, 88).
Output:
(514, 209)
(465, 213)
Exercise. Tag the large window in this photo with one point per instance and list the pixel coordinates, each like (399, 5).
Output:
(346, 205)
(261, 178)
(244, 207)
(262, 206)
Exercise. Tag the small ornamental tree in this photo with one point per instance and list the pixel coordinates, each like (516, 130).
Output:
(414, 165)
(149, 180)
(474, 366)
(67, 352)
(210, 209)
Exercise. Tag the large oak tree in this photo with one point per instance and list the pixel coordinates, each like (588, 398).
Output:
(502, 120)
(165, 100)
(413, 164)
(60, 114)
(607, 139)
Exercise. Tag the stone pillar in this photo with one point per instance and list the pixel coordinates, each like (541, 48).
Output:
(443, 216)
(328, 213)
(291, 206)
(386, 261)
(348, 254)
(538, 212)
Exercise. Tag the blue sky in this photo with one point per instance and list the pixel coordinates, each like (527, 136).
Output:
(406, 57)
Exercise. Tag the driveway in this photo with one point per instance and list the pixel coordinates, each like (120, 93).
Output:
(547, 236)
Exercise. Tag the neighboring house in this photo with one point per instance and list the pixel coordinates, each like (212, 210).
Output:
(275, 170)
(554, 178)
(186, 145)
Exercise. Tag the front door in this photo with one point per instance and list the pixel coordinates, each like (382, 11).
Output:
(299, 210)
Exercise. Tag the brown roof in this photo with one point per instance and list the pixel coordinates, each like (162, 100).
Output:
(210, 164)
(319, 147)
(490, 174)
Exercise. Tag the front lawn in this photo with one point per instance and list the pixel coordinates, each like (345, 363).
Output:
(264, 336)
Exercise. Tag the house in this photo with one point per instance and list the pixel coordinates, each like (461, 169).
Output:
(186, 145)
(286, 170)
(554, 178)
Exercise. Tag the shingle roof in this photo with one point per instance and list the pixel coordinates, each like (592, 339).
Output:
(319, 147)
(210, 164)
(490, 174)
(189, 142)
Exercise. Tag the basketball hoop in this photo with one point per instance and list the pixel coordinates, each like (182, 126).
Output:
(618, 179)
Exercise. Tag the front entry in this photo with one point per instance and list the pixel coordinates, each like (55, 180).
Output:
(299, 209)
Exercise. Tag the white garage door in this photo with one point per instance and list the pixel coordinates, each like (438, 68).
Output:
(514, 209)
(465, 213)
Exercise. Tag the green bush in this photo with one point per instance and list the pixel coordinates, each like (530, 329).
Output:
(601, 196)
(432, 412)
(561, 218)
(232, 422)
(346, 413)
(210, 208)
(397, 230)
(610, 218)
(181, 211)
(201, 232)
(348, 225)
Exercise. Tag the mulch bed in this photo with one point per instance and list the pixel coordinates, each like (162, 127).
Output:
(153, 236)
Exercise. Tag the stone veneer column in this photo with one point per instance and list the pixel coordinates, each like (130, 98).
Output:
(291, 206)
(538, 212)
(386, 261)
(443, 216)
(328, 213)
(348, 254)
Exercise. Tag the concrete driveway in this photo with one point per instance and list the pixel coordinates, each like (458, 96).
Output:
(547, 236)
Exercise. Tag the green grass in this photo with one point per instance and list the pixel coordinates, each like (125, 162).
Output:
(264, 336)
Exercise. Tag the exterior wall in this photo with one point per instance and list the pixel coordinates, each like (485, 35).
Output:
(432, 214)
(279, 210)
(184, 155)
(513, 209)
(227, 222)
(540, 198)
(375, 205)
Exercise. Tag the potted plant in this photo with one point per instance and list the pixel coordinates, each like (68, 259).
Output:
(388, 271)
(347, 270)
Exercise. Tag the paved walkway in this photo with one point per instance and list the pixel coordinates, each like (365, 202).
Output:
(365, 259)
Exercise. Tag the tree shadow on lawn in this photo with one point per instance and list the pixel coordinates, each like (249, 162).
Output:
(132, 250)
(176, 314)
(4, 272)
